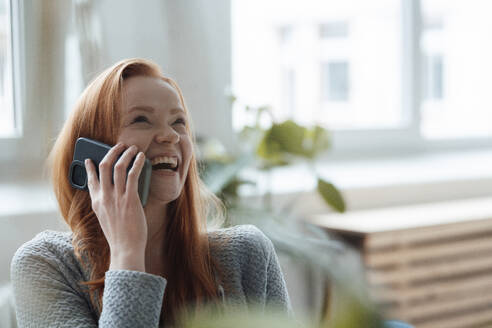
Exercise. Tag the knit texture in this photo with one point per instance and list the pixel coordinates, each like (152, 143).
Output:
(45, 276)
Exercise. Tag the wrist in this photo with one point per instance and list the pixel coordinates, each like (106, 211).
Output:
(127, 261)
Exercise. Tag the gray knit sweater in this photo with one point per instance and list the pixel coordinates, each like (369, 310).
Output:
(45, 276)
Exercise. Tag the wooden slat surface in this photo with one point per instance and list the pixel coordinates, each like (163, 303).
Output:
(412, 276)
(470, 320)
(408, 255)
(431, 234)
(419, 313)
(404, 218)
(435, 292)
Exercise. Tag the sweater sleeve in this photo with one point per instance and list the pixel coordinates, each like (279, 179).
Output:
(277, 294)
(44, 298)
(132, 299)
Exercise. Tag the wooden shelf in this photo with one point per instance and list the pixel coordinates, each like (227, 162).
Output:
(429, 264)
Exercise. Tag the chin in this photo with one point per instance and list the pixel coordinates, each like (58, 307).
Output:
(164, 194)
(165, 188)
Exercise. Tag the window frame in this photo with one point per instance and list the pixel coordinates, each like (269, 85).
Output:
(14, 8)
(8, 144)
(364, 143)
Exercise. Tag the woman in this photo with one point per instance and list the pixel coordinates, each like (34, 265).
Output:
(124, 265)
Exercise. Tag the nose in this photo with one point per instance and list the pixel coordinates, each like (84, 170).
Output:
(167, 135)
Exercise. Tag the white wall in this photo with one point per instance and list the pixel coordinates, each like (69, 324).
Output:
(190, 40)
(15, 230)
(200, 61)
(133, 29)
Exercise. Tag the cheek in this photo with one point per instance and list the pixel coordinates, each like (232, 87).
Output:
(187, 152)
(141, 141)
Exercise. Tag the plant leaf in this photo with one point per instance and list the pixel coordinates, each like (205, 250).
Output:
(280, 140)
(317, 140)
(321, 139)
(290, 137)
(331, 195)
(270, 150)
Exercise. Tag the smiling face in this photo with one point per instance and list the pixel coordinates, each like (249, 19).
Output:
(154, 120)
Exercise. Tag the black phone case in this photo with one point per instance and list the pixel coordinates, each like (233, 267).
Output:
(95, 150)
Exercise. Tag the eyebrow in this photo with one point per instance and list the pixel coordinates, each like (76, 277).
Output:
(152, 110)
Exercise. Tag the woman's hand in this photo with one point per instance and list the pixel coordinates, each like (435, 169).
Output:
(118, 207)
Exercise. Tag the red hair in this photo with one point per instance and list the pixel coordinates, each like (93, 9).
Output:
(96, 115)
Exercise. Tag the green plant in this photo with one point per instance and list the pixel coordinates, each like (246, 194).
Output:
(287, 141)
(278, 145)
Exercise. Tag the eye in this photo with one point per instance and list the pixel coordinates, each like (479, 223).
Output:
(140, 118)
(180, 121)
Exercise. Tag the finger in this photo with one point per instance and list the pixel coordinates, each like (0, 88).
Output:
(92, 181)
(133, 175)
(106, 167)
(121, 167)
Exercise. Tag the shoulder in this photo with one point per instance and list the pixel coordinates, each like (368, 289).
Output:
(247, 263)
(242, 241)
(46, 244)
(48, 249)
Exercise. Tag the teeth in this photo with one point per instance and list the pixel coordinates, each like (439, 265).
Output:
(164, 159)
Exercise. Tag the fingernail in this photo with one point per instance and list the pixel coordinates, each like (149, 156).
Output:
(86, 161)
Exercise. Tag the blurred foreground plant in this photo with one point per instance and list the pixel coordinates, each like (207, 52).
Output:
(260, 318)
(310, 247)
(346, 303)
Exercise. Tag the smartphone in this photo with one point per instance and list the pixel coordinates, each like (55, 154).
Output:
(95, 150)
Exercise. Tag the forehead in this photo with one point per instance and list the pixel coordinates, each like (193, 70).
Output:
(145, 91)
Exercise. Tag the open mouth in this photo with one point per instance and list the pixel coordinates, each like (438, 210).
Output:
(165, 163)
(165, 166)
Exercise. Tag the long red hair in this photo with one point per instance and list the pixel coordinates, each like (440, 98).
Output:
(96, 115)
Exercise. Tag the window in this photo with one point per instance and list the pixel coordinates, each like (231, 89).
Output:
(382, 75)
(336, 50)
(73, 72)
(333, 30)
(457, 70)
(335, 81)
(289, 90)
(285, 34)
(8, 121)
(433, 79)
